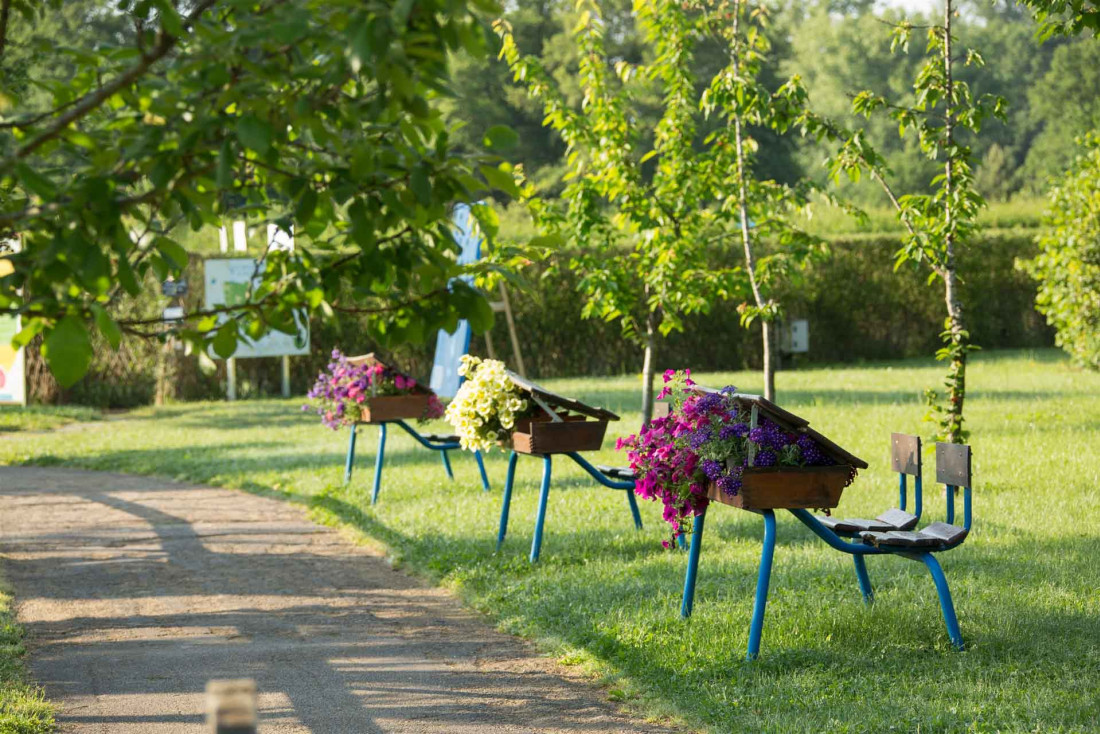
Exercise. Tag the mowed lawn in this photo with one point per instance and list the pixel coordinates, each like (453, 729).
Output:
(1026, 583)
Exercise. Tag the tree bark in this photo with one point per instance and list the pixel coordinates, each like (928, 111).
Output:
(958, 337)
(769, 360)
(649, 368)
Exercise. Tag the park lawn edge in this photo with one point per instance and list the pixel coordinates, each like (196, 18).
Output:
(24, 708)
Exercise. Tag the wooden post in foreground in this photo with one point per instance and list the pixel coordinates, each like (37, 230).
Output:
(231, 706)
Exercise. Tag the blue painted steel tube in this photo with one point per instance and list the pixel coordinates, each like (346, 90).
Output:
(901, 490)
(832, 538)
(540, 518)
(864, 579)
(950, 504)
(967, 508)
(693, 567)
(447, 464)
(598, 475)
(634, 509)
(378, 461)
(946, 604)
(507, 501)
(350, 463)
(444, 446)
(681, 542)
(756, 629)
(918, 496)
(481, 468)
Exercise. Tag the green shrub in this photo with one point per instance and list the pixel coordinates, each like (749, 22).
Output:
(1068, 264)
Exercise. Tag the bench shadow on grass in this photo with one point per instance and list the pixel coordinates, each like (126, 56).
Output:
(344, 667)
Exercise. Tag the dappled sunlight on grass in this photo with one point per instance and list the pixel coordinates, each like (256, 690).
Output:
(1026, 585)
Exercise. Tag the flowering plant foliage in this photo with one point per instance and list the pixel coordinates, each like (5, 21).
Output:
(485, 410)
(708, 437)
(344, 389)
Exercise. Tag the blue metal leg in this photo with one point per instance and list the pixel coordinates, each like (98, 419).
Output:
(634, 508)
(681, 542)
(508, 481)
(378, 461)
(544, 494)
(481, 468)
(946, 604)
(447, 464)
(864, 579)
(762, 581)
(351, 455)
(693, 567)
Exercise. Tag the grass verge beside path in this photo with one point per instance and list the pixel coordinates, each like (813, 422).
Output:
(1026, 584)
(43, 417)
(23, 710)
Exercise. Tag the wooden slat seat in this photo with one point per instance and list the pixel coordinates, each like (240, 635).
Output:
(945, 533)
(894, 519)
(440, 437)
(903, 538)
(615, 472)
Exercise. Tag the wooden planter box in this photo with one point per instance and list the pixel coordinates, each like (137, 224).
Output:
(543, 436)
(772, 488)
(395, 407)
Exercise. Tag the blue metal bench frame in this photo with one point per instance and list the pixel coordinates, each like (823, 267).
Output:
(379, 459)
(858, 550)
(544, 494)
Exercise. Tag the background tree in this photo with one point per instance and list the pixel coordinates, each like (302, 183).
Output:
(1068, 265)
(321, 116)
(938, 224)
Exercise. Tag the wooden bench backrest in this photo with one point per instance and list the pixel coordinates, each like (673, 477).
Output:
(905, 454)
(953, 464)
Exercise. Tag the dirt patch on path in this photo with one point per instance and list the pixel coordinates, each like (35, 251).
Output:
(135, 591)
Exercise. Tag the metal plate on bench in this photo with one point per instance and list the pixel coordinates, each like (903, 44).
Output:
(953, 464)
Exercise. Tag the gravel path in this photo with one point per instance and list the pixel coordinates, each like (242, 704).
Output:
(136, 591)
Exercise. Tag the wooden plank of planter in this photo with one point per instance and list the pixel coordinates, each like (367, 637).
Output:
(558, 401)
(786, 487)
(549, 437)
(395, 407)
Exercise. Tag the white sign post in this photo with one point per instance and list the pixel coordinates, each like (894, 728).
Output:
(228, 281)
(13, 378)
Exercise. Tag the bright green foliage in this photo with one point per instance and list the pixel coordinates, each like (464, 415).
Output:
(322, 116)
(1068, 265)
(664, 213)
(940, 113)
(1065, 17)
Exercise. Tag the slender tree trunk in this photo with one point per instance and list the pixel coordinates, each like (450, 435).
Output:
(649, 368)
(743, 209)
(958, 337)
(769, 360)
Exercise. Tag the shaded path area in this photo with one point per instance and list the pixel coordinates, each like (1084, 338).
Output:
(135, 591)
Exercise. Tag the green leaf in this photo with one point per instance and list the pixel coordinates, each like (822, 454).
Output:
(225, 340)
(35, 182)
(307, 205)
(224, 175)
(107, 326)
(500, 137)
(254, 134)
(173, 251)
(500, 179)
(68, 350)
(421, 185)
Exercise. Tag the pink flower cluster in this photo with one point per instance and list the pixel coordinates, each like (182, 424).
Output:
(344, 388)
(707, 438)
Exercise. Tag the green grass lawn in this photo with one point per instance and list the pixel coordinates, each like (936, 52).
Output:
(23, 710)
(1026, 583)
(43, 417)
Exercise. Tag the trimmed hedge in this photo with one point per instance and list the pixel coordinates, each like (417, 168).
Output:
(857, 306)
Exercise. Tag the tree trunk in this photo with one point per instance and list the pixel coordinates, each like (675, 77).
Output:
(958, 338)
(769, 360)
(649, 368)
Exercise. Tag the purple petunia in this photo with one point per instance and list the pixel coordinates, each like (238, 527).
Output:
(712, 468)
